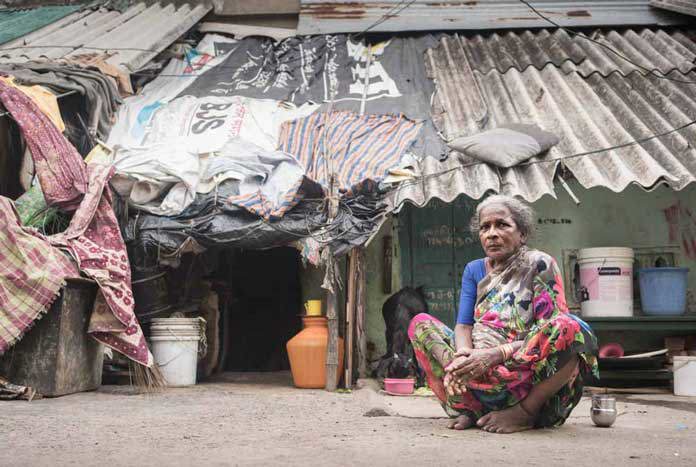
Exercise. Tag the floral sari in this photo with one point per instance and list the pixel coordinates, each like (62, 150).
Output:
(522, 300)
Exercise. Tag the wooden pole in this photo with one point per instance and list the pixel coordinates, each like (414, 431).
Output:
(332, 291)
(360, 299)
(332, 347)
(350, 314)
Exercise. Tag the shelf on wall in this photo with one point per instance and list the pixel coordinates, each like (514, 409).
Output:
(685, 323)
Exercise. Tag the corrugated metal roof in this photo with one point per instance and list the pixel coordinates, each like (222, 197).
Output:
(659, 50)
(587, 113)
(17, 23)
(687, 7)
(333, 16)
(131, 38)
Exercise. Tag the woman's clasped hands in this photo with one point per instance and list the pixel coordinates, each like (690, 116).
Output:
(467, 364)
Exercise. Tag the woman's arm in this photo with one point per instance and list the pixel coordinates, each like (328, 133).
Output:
(465, 314)
(462, 337)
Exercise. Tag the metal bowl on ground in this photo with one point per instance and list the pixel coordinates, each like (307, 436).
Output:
(603, 411)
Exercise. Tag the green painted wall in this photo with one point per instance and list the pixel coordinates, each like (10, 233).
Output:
(376, 344)
(632, 218)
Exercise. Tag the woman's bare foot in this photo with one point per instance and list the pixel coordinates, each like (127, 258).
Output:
(510, 420)
(461, 423)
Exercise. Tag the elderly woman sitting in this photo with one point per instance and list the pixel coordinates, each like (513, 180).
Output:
(516, 356)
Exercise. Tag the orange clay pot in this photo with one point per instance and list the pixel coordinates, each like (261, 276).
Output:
(307, 353)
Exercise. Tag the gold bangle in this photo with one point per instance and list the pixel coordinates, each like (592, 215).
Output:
(507, 350)
(504, 351)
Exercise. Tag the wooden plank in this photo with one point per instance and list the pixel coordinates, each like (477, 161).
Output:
(257, 7)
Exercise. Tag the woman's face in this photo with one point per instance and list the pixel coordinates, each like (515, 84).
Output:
(499, 234)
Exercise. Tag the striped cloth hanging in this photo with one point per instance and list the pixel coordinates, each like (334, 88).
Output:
(363, 149)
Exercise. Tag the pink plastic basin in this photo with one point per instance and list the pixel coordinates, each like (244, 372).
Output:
(612, 350)
(399, 385)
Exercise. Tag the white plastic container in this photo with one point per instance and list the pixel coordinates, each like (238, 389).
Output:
(684, 376)
(175, 348)
(606, 281)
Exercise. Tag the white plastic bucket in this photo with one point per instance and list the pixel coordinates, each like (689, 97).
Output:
(192, 324)
(175, 348)
(606, 281)
(684, 376)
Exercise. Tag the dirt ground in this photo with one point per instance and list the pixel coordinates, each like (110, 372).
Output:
(257, 419)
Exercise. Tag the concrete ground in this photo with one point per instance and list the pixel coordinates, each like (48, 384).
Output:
(261, 420)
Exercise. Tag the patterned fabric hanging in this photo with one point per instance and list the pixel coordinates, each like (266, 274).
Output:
(93, 238)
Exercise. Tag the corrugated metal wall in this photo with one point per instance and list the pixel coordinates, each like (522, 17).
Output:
(325, 17)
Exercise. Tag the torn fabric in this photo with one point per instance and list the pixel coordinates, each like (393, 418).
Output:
(93, 238)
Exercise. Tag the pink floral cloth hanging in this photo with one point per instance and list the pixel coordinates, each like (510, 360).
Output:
(93, 238)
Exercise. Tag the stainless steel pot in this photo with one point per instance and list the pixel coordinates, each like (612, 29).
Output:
(603, 410)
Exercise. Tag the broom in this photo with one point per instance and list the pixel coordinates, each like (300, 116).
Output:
(147, 379)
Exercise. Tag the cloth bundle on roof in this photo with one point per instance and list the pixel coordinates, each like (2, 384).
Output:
(93, 238)
(191, 145)
(272, 207)
(191, 104)
(360, 150)
(210, 221)
(100, 91)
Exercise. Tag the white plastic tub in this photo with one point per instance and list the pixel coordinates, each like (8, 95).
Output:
(684, 376)
(606, 281)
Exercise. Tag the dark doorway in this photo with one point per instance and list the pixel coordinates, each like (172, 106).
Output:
(265, 309)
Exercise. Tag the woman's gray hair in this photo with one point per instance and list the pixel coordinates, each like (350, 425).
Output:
(522, 213)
